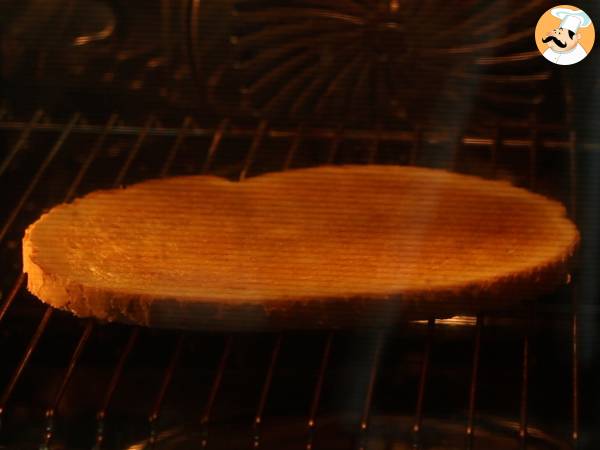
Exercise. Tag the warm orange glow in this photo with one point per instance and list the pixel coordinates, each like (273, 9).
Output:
(453, 321)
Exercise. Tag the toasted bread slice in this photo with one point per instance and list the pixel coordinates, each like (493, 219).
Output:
(322, 247)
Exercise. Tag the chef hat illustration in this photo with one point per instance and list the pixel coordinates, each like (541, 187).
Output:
(572, 19)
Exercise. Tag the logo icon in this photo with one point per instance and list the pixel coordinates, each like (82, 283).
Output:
(564, 35)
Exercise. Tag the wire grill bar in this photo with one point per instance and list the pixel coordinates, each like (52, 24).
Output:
(416, 429)
(185, 126)
(96, 147)
(214, 390)
(67, 130)
(437, 136)
(11, 295)
(134, 150)
(366, 412)
(164, 386)
(314, 407)
(51, 411)
(470, 430)
(296, 142)
(214, 145)
(112, 386)
(24, 360)
(265, 392)
(256, 143)
(23, 138)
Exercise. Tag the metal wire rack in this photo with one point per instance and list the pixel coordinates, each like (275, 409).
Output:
(416, 428)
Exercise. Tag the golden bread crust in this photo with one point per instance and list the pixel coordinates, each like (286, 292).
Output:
(322, 247)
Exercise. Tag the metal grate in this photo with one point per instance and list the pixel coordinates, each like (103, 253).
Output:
(350, 61)
(366, 428)
(367, 62)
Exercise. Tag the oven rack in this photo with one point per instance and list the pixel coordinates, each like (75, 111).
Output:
(494, 141)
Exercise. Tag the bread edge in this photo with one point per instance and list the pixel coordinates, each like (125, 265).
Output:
(507, 292)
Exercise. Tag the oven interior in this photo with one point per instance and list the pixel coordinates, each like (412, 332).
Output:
(105, 94)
